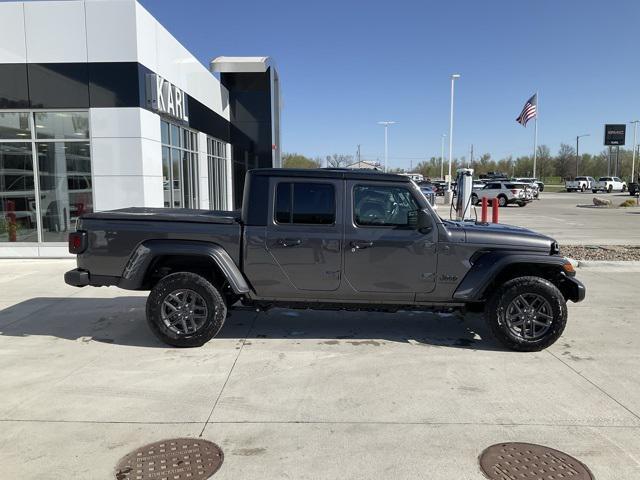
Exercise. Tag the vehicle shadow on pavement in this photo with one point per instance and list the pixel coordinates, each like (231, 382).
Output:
(369, 328)
(121, 321)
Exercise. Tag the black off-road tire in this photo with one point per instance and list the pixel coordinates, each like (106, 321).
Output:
(216, 309)
(495, 313)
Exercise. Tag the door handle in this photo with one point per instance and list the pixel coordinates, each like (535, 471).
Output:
(361, 245)
(289, 242)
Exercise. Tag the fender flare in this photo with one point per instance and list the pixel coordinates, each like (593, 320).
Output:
(145, 253)
(489, 265)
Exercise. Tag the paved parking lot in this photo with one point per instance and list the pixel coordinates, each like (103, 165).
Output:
(557, 215)
(307, 395)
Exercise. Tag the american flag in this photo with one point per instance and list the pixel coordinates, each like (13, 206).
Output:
(529, 111)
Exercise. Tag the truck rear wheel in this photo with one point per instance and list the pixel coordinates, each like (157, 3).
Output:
(185, 310)
(527, 314)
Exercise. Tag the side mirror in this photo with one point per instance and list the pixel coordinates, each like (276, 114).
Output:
(424, 222)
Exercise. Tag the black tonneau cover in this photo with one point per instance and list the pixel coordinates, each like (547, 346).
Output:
(168, 215)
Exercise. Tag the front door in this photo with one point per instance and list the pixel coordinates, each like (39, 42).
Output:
(383, 250)
(304, 236)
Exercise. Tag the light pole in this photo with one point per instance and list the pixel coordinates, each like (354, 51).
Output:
(453, 79)
(633, 158)
(386, 141)
(578, 137)
(444, 135)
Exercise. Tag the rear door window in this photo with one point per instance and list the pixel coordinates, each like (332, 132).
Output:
(305, 203)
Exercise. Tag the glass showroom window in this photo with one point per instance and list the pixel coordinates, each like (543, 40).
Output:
(54, 148)
(217, 163)
(179, 166)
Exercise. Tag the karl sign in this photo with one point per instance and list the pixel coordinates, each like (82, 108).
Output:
(164, 97)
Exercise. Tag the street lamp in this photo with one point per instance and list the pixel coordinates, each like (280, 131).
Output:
(633, 159)
(444, 135)
(386, 141)
(578, 137)
(453, 79)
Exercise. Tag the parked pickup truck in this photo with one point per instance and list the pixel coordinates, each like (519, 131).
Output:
(579, 184)
(326, 239)
(608, 185)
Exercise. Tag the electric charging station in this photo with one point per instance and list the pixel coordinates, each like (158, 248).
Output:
(464, 185)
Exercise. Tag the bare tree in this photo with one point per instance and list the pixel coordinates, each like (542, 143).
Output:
(339, 161)
(564, 160)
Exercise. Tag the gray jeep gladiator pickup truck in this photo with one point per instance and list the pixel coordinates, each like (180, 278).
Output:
(326, 239)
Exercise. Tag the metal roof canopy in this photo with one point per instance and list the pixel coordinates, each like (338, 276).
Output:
(241, 64)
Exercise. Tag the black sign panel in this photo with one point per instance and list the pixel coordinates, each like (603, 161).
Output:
(614, 134)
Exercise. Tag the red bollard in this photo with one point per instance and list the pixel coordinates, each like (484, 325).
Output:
(494, 210)
(485, 209)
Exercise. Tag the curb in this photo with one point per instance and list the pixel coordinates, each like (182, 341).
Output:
(606, 263)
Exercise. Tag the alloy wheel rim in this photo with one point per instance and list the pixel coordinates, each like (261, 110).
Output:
(184, 311)
(529, 316)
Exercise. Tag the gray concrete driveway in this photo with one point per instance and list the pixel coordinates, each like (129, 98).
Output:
(308, 395)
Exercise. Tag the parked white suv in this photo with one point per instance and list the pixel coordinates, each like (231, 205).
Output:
(608, 185)
(580, 184)
(532, 183)
(506, 193)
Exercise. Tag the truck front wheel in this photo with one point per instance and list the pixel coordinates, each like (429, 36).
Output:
(527, 314)
(185, 310)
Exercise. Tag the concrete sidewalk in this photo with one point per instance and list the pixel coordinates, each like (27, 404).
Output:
(308, 395)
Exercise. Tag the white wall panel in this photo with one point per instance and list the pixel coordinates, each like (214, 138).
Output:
(111, 30)
(176, 64)
(54, 251)
(17, 250)
(116, 156)
(125, 122)
(153, 193)
(149, 125)
(116, 191)
(151, 156)
(115, 122)
(55, 31)
(146, 38)
(13, 48)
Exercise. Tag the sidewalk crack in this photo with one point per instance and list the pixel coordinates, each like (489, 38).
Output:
(244, 341)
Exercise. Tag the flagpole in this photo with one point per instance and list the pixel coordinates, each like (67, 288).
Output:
(535, 136)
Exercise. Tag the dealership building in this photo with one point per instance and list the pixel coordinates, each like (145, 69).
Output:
(102, 108)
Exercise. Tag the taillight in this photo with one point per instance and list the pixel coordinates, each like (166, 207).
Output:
(77, 242)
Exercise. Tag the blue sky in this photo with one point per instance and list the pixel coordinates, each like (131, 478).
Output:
(344, 65)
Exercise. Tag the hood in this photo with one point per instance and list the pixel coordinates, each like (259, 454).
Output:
(507, 235)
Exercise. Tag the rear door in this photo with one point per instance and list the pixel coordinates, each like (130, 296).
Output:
(382, 251)
(304, 232)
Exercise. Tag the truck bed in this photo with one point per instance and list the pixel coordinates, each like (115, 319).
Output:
(113, 236)
(168, 215)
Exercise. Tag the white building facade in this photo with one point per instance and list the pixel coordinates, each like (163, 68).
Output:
(102, 108)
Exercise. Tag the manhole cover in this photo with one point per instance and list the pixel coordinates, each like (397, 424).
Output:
(174, 459)
(526, 461)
